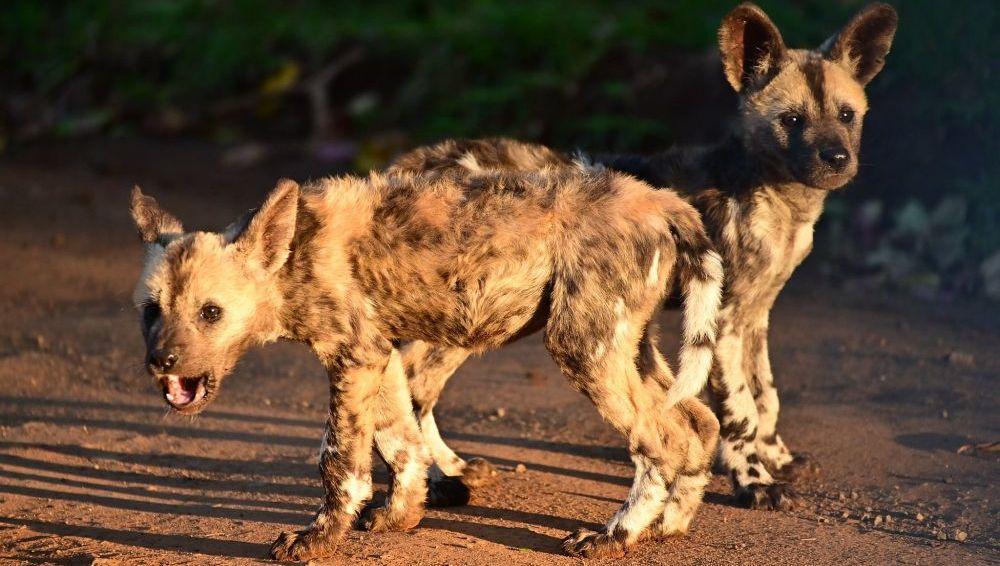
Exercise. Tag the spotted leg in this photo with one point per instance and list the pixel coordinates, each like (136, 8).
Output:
(685, 494)
(602, 364)
(771, 449)
(753, 484)
(428, 368)
(345, 457)
(400, 445)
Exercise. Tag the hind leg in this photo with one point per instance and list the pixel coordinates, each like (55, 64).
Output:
(428, 367)
(685, 494)
(602, 364)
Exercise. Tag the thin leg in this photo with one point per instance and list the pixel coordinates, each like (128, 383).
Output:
(345, 456)
(605, 370)
(400, 445)
(752, 483)
(769, 445)
(429, 367)
(685, 494)
(683, 501)
(772, 450)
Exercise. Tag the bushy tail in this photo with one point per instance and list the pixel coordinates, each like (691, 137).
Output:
(699, 270)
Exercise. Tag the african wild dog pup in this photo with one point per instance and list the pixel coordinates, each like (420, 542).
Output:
(760, 191)
(352, 265)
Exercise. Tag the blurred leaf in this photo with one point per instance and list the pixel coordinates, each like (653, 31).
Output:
(912, 220)
(282, 80)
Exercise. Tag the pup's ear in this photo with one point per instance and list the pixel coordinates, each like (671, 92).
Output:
(266, 238)
(864, 42)
(751, 46)
(151, 220)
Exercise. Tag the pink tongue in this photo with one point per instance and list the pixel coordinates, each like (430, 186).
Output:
(176, 392)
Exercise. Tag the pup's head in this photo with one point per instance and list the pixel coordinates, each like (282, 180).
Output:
(801, 110)
(204, 298)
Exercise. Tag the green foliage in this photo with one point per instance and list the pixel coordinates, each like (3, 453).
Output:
(455, 68)
(559, 71)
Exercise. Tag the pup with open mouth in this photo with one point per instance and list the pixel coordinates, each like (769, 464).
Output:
(185, 393)
(353, 267)
(194, 328)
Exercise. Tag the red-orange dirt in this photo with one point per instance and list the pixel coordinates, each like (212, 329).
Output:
(883, 391)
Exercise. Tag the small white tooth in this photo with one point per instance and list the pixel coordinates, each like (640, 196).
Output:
(170, 396)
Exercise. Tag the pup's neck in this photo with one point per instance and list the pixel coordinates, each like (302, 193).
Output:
(316, 285)
(728, 166)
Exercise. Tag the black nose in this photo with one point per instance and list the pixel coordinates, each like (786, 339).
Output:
(162, 359)
(836, 157)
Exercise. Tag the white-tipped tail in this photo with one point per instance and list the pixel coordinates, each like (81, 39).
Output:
(701, 283)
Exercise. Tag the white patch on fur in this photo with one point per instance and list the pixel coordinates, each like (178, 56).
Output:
(654, 270)
(703, 297)
(446, 459)
(414, 471)
(470, 162)
(677, 515)
(802, 242)
(358, 491)
(389, 442)
(740, 405)
(622, 323)
(729, 350)
(320, 519)
(600, 350)
(585, 163)
(644, 503)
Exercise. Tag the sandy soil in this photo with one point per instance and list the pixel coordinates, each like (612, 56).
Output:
(881, 390)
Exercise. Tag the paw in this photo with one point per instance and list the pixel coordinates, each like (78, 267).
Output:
(448, 491)
(301, 546)
(656, 533)
(380, 519)
(770, 497)
(584, 543)
(664, 530)
(478, 472)
(802, 467)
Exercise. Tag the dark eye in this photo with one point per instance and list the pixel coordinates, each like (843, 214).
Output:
(791, 119)
(150, 312)
(211, 313)
(846, 115)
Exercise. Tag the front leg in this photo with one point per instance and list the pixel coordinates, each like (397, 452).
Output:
(752, 483)
(345, 456)
(770, 447)
(401, 447)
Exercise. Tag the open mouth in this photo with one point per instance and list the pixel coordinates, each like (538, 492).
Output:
(184, 393)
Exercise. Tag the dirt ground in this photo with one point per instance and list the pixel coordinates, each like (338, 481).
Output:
(883, 391)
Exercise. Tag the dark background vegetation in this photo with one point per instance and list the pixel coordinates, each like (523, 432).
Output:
(353, 82)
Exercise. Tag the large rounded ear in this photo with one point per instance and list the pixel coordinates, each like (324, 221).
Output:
(751, 46)
(266, 238)
(151, 220)
(864, 42)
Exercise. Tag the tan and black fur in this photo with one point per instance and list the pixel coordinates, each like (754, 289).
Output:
(760, 192)
(467, 261)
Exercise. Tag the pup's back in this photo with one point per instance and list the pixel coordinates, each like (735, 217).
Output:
(476, 253)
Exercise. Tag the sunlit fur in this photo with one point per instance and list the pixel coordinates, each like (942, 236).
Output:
(760, 191)
(469, 260)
